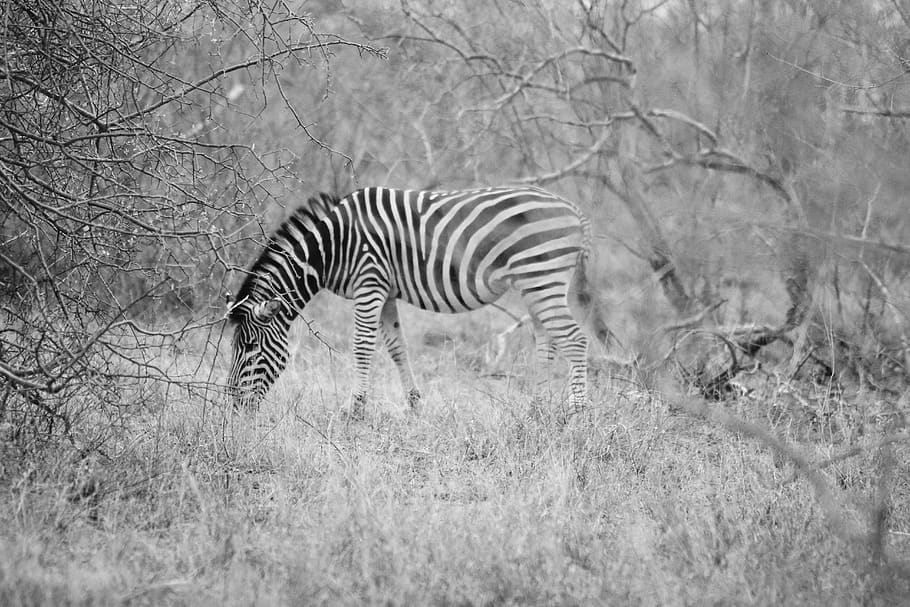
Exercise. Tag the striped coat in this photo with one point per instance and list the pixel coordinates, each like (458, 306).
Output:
(441, 251)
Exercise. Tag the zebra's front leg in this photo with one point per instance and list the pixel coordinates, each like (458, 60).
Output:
(367, 311)
(394, 341)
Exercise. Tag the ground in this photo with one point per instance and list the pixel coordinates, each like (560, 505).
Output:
(483, 498)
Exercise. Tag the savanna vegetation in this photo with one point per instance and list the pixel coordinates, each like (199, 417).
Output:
(744, 164)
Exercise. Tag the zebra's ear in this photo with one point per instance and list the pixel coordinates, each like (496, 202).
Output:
(265, 310)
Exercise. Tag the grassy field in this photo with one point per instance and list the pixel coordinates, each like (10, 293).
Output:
(484, 498)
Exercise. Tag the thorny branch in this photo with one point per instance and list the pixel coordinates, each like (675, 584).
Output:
(112, 212)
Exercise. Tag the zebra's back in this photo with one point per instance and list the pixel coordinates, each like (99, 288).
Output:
(457, 251)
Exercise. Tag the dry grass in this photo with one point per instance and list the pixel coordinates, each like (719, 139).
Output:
(482, 499)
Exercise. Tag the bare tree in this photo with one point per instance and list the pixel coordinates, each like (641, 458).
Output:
(121, 190)
(715, 106)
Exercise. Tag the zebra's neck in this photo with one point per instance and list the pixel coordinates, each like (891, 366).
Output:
(331, 247)
(292, 270)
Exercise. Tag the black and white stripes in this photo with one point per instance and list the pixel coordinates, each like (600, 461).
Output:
(442, 251)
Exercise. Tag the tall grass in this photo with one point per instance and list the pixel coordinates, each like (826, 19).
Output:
(485, 498)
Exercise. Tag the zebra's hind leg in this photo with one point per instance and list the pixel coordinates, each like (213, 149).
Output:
(549, 307)
(395, 344)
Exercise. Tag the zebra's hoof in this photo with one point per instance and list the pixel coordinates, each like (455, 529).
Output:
(570, 410)
(358, 408)
(414, 400)
(564, 415)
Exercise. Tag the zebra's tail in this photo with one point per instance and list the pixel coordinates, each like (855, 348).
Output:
(591, 308)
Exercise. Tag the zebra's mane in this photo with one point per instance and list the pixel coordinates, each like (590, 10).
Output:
(303, 219)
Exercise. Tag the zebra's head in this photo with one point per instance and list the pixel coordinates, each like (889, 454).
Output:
(260, 349)
(277, 287)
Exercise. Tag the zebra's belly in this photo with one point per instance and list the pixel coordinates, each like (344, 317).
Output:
(433, 294)
(452, 297)
(472, 284)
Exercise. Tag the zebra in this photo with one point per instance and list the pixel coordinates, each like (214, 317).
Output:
(444, 251)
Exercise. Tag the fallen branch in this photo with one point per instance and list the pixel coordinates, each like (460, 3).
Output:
(839, 522)
(899, 437)
(880, 113)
